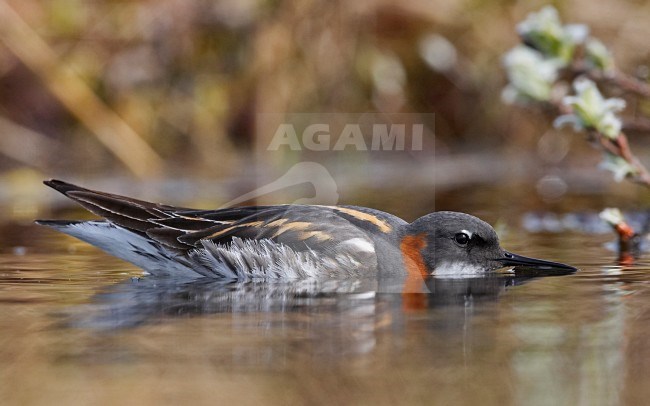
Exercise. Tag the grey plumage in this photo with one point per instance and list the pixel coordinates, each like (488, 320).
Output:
(286, 241)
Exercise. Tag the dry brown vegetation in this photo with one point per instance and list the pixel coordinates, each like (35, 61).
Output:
(173, 87)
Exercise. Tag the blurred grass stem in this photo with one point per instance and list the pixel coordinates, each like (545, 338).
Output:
(26, 146)
(76, 96)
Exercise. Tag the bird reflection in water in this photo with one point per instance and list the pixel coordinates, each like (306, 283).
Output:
(343, 316)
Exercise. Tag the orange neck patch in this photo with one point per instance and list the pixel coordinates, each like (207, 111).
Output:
(411, 247)
(412, 297)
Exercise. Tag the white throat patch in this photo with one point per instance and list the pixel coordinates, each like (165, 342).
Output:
(457, 269)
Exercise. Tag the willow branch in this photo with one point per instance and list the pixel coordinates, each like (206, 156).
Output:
(636, 125)
(615, 77)
(621, 148)
(618, 147)
(626, 82)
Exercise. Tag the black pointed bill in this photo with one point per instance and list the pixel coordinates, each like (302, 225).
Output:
(521, 262)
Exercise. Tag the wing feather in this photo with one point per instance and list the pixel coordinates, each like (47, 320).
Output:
(328, 231)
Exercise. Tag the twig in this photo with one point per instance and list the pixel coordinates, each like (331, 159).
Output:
(629, 83)
(619, 147)
(620, 79)
(625, 231)
(628, 243)
(636, 125)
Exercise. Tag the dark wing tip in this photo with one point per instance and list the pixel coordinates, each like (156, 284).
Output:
(61, 186)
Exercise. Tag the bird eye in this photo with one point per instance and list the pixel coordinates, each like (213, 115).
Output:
(461, 238)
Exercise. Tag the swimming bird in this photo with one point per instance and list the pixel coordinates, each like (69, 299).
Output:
(286, 241)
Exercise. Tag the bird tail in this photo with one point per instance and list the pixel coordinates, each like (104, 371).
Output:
(124, 211)
(126, 245)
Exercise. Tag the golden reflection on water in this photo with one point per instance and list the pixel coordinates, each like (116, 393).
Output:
(76, 329)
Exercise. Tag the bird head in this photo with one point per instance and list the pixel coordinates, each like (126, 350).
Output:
(457, 243)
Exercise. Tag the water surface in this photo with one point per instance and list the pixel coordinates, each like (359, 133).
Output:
(80, 327)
